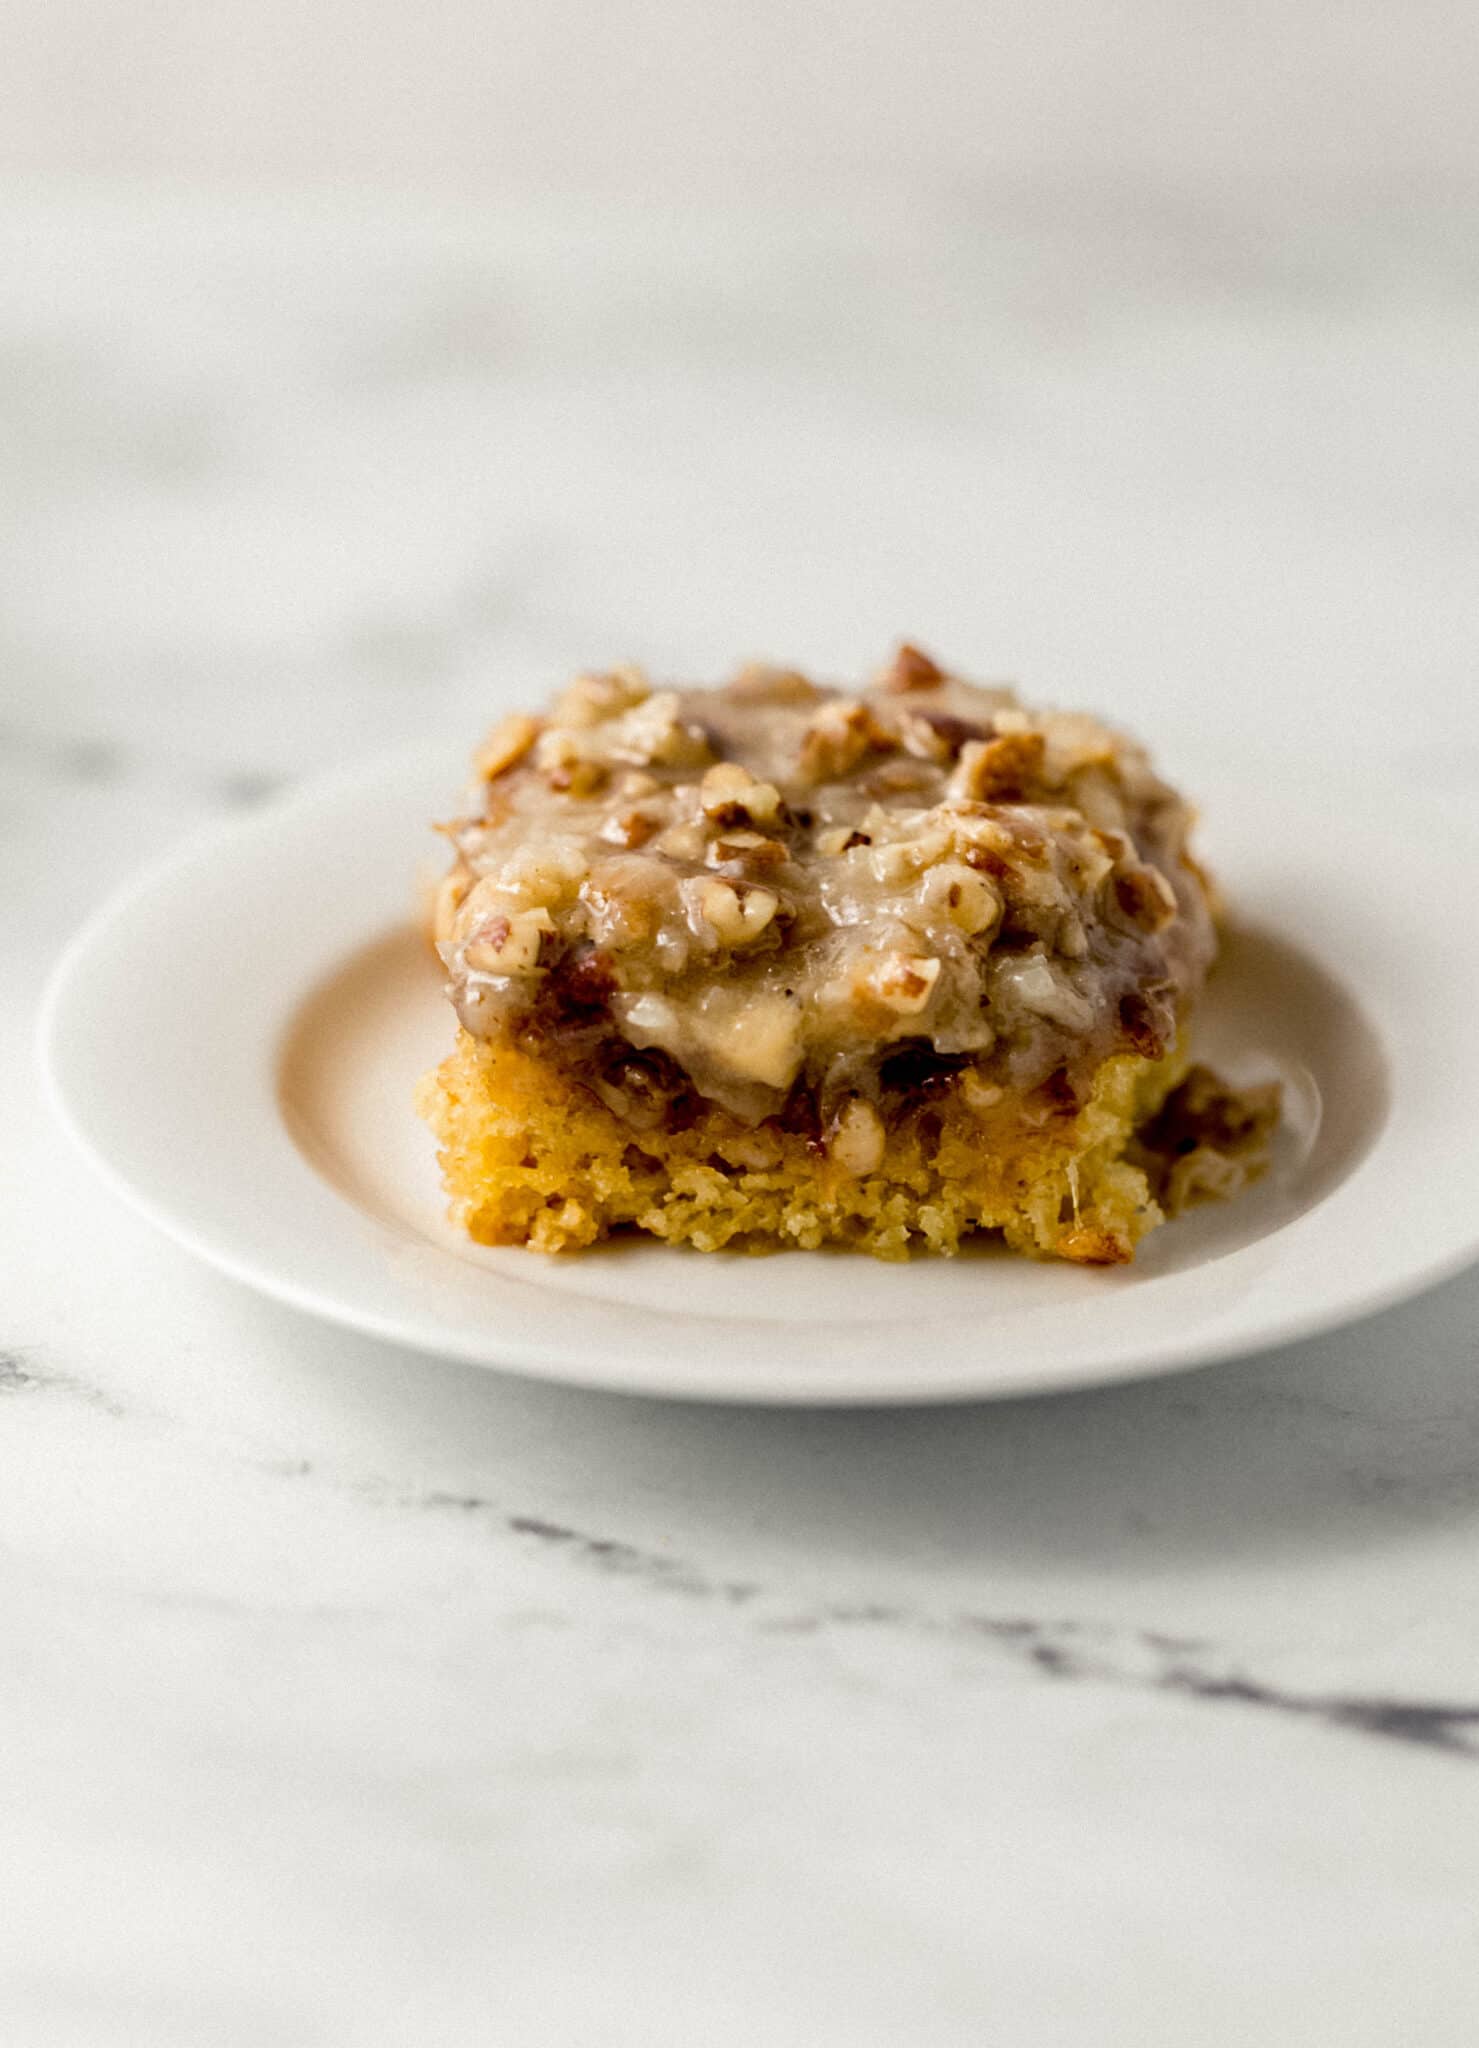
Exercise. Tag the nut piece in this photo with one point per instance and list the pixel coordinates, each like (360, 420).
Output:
(1146, 898)
(724, 783)
(1076, 741)
(840, 839)
(857, 1139)
(508, 742)
(628, 828)
(681, 842)
(737, 914)
(619, 917)
(450, 891)
(1098, 796)
(483, 900)
(903, 982)
(753, 848)
(842, 732)
(548, 873)
(565, 765)
(508, 945)
(999, 770)
(966, 898)
(980, 1097)
(653, 732)
(925, 740)
(911, 669)
(592, 699)
(937, 736)
(731, 796)
(898, 861)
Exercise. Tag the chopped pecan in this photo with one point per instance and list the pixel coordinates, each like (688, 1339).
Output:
(911, 669)
(856, 1140)
(962, 896)
(509, 945)
(1146, 897)
(628, 829)
(937, 735)
(508, 742)
(450, 892)
(979, 1095)
(842, 733)
(737, 914)
(592, 699)
(903, 982)
(750, 849)
(999, 770)
(731, 795)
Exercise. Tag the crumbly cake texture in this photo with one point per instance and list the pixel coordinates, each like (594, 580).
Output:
(771, 965)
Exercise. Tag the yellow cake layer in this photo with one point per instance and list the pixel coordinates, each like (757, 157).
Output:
(530, 1157)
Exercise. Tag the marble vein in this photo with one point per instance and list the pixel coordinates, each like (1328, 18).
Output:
(1144, 1658)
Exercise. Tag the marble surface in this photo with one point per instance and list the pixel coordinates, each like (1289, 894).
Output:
(347, 1696)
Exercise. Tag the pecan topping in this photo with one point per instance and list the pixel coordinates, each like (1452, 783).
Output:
(774, 880)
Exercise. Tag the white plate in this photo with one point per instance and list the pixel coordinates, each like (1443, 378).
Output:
(236, 1039)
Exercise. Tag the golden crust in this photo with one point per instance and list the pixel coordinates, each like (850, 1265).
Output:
(531, 1157)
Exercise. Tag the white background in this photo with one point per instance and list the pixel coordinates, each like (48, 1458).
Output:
(492, 92)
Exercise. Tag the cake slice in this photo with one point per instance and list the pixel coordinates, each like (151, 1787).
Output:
(775, 965)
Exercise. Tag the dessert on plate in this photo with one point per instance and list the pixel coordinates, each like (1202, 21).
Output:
(773, 965)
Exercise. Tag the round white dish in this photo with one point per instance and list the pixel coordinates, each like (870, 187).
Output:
(235, 1041)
